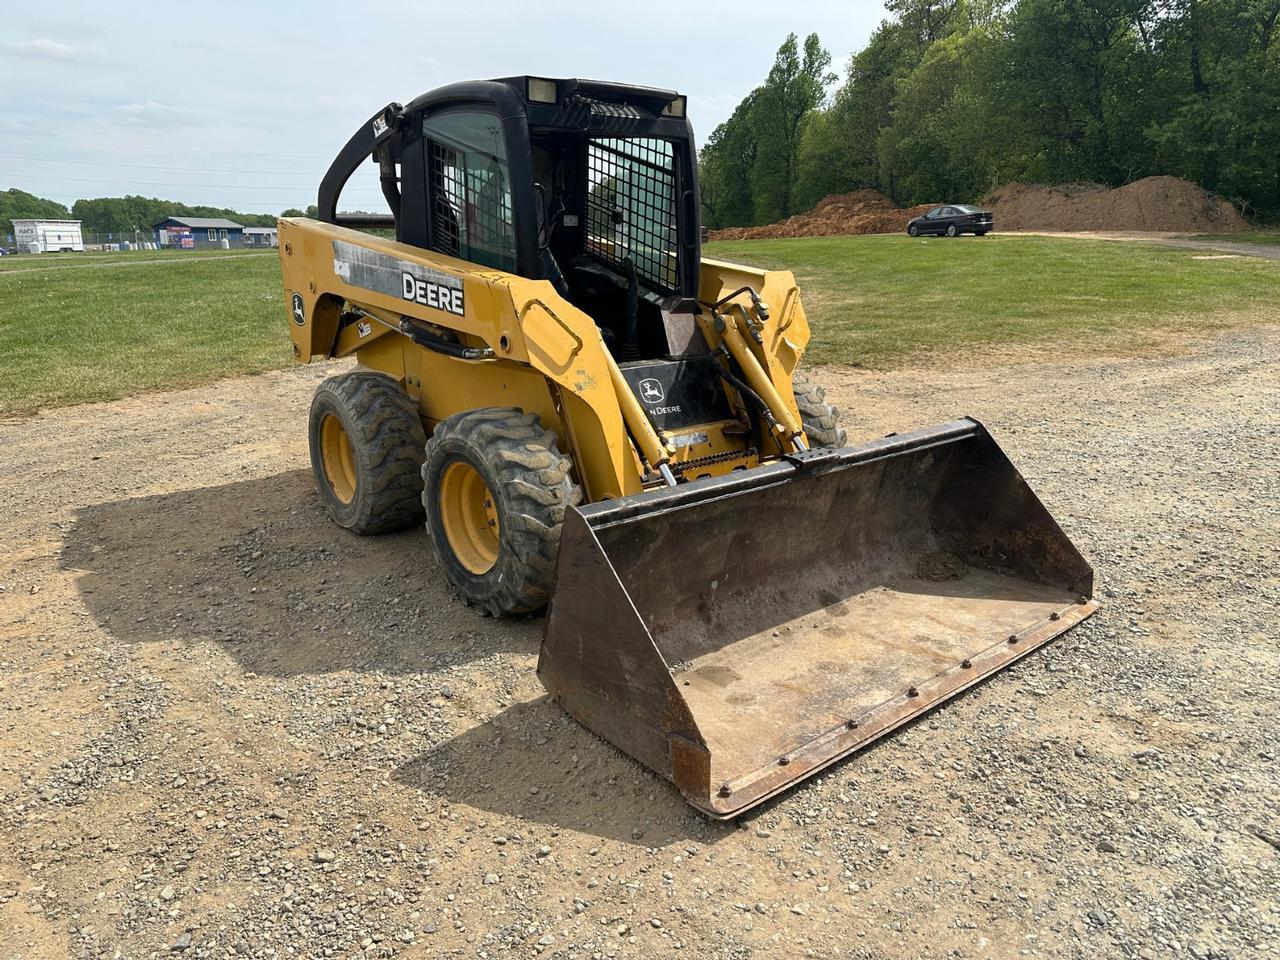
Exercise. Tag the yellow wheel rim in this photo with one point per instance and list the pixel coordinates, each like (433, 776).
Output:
(469, 517)
(338, 458)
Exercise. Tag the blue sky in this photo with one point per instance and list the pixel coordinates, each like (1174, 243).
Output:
(244, 105)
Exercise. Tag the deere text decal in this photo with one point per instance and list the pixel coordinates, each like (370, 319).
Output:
(395, 277)
(431, 294)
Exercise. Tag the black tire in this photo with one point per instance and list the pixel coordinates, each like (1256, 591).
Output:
(821, 420)
(979, 233)
(373, 485)
(952, 231)
(527, 489)
(913, 231)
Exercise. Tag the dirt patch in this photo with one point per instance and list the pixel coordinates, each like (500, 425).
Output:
(860, 212)
(940, 565)
(1153, 204)
(1161, 204)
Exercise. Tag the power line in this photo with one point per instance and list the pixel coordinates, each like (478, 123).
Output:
(6, 135)
(152, 166)
(275, 203)
(161, 183)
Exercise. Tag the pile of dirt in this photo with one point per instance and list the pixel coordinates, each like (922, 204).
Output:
(1151, 204)
(863, 211)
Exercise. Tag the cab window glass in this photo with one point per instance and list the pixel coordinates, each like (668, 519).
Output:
(469, 188)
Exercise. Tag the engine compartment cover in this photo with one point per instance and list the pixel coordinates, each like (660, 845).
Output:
(679, 393)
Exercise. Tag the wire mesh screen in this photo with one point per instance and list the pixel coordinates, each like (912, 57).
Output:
(631, 206)
(447, 198)
(469, 188)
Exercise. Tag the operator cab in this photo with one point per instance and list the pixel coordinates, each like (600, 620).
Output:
(589, 185)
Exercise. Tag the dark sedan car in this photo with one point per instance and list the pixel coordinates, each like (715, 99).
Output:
(952, 220)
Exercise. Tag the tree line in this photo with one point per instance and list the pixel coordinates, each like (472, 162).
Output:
(951, 98)
(120, 216)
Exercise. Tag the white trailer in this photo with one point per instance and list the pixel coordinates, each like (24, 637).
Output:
(48, 236)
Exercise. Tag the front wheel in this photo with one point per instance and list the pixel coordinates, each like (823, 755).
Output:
(913, 231)
(821, 420)
(495, 488)
(952, 231)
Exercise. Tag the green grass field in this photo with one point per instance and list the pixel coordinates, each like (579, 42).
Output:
(881, 300)
(52, 261)
(82, 327)
(78, 327)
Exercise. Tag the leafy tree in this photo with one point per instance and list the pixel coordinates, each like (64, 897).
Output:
(1220, 70)
(725, 169)
(938, 143)
(17, 204)
(796, 85)
(124, 216)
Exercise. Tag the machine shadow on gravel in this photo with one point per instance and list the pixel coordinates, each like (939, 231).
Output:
(257, 567)
(533, 762)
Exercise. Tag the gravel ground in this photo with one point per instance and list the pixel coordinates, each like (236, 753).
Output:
(229, 729)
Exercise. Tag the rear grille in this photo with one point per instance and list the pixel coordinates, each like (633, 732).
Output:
(631, 206)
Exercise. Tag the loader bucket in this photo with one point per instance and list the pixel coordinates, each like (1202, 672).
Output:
(740, 633)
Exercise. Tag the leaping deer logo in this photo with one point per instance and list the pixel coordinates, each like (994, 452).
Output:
(651, 391)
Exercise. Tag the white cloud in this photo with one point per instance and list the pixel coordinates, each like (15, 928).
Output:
(46, 48)
(149, 113)
(147, 108)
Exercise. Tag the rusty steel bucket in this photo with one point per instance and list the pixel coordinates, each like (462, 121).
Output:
(740, 633)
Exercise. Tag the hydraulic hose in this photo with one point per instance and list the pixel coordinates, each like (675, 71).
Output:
(732, 338)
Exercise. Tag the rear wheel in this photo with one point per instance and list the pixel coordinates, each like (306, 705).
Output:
(980, 233)
(952, 231)
(366, 448)
(821, 420)
(495, 488)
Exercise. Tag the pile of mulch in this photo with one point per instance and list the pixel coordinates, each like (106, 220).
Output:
(863, 211)
(1151, 204)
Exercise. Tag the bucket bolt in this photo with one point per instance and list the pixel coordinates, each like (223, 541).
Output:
(1013, 638)
(1055, 615)
(725, 790)
(783, 761)
(966, 664)
(912, 692)
(852, 724)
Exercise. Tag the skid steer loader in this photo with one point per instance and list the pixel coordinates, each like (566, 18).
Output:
(579, 404)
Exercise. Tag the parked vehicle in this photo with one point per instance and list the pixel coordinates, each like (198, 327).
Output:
(952, 221)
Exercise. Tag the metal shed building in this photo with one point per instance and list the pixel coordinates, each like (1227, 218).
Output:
(198, 232)
(260, 237)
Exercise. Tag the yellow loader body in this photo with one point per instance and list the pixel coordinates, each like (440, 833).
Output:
(548, 357)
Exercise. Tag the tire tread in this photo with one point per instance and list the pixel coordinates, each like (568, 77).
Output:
(537, 489)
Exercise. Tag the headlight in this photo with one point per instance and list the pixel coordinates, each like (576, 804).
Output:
(542, 91)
